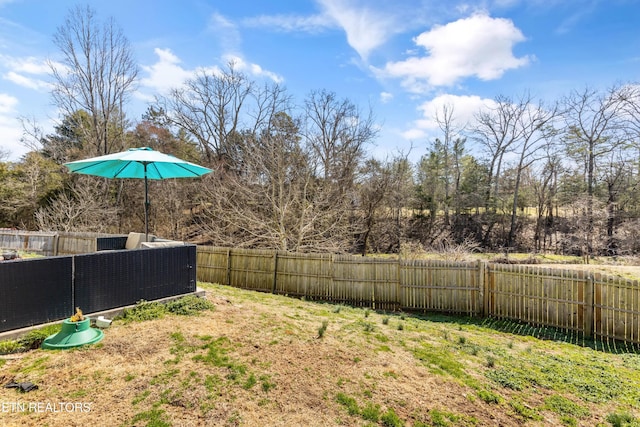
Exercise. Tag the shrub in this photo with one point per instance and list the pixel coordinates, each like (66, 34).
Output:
(33, 339)
(322, 329)
(623, 420)
(189, 305)
(186, 306)
(143, 310)
(10, 346)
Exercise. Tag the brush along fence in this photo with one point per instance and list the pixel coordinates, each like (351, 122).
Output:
(596, 305)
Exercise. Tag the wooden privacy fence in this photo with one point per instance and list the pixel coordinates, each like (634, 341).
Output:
(51, 243)
(596, 305)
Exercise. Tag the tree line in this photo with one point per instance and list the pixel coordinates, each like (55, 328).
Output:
(523, 175)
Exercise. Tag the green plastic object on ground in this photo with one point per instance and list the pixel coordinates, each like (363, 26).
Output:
(73, 334)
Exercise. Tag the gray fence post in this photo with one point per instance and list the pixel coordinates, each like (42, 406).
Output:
(275, 271)
(483, 300)
(588, 306)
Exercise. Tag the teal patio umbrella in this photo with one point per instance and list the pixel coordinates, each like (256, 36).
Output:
(138, 163)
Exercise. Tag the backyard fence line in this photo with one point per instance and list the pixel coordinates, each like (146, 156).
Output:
(51, 243)
(599, 306)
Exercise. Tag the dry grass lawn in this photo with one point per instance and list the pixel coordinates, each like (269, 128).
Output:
(259, 359)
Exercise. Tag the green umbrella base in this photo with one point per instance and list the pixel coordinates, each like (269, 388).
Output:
(73, 334)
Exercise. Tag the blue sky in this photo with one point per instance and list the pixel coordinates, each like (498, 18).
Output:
(404, 58)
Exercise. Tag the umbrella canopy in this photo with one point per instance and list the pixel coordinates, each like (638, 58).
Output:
(138, 163)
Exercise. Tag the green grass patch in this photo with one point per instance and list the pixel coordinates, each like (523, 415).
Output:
(217, 355)
(370, 412)
(507, 378)
(563, 406)
(10, 347)
(623, 419)
(38, 365)
(524, 411)
(489, 397)
(250, 382)
(439, 360)
(391, 419)
(152, 418)
(349, 403)
(267, 384)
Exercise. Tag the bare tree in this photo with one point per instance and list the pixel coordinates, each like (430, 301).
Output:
(496, 128)
(210, 107)
(274, 200)
(544, 182)
(97, 73)
(452, 147)
(384, 191)
(535, 128)
(338, 133)
(81, 208)
(595, 127)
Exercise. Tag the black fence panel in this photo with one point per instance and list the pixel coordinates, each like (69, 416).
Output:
(114, 279)
(110, 243)
(107, 279)
(35, 291)
(168, 271)
(41, 290)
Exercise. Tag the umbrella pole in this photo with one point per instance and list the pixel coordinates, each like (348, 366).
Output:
(146, 205)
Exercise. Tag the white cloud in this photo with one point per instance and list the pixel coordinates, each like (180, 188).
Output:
(22, 70)
(290, 23)
(167, 73)
(27, 82)
(366, 28)
(368, 24)
(10, 128)
(29, 65)
(7, 103)
(385, 97)
(225, 32)
(463, 107)
(478, 46)
(252, 69)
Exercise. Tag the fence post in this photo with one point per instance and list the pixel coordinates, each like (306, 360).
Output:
(399, 284)
(275, 271)
(56, 242)
(228, 267)
(588, 306)
(482, 288)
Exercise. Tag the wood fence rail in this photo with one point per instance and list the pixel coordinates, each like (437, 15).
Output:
(600, 306)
